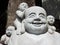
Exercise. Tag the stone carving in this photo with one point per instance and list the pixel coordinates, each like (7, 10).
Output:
(5, 38)
(19, 14)
(51, 21)
(52, 29)
(36, 29)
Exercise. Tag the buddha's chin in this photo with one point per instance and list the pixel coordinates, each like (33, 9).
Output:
(36, 29)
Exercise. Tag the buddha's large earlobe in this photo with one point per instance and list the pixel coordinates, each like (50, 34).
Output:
(22, 26)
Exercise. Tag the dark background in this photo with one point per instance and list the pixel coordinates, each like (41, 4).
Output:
(3, 16)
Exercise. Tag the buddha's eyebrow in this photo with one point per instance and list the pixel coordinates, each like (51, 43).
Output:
(32, 13)
(42, 14)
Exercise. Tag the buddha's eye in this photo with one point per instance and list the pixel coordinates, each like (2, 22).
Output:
(31, 15)
(42, 15)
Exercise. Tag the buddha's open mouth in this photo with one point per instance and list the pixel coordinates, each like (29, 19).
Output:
(37, 23)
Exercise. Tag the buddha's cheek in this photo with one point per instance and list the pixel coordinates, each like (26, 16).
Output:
(36, 29)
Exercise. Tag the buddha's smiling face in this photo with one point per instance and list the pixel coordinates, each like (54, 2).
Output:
(35, 20)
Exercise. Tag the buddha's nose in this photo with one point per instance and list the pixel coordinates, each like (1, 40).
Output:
(37, 19)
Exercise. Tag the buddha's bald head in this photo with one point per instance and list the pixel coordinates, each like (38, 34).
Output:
(35, 9)
(35, 20)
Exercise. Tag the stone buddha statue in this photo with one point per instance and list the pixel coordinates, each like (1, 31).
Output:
(36, 29)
